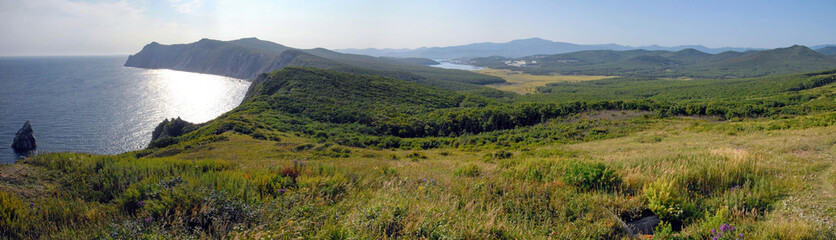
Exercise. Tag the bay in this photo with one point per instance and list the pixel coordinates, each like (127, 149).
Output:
(96, 105)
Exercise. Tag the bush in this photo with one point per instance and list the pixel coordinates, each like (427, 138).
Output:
(592, 176)
(272, 184)
(416, 156)
(468, 170)
(665, 200)
(663, 231)
(498, 155)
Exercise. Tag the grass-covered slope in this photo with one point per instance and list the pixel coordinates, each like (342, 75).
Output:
(373, 111)
(749, 97)
(319, 154)
(344, 98)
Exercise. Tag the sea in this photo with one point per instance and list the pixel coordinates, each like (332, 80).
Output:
(93, 104)
(449, 65)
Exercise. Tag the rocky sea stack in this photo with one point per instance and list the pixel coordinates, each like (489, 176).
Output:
(25, 139)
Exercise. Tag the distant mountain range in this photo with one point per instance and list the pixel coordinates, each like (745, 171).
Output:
(828, 50)
(519, 48)
(247, 58)
(690, 63)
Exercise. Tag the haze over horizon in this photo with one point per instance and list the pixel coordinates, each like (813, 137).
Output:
(103, 27)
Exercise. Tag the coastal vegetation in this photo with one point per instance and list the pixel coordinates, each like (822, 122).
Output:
(313, 153)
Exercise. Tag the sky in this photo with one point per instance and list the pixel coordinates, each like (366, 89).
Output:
(117, 27)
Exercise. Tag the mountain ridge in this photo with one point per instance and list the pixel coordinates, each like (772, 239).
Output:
(519, 48)
(248, 57)
(690, 63)
(829, 50)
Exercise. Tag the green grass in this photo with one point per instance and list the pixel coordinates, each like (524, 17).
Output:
(286, 164)
(259, 188)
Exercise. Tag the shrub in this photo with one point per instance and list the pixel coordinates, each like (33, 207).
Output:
(198, 209)
(592, 176)
(272, 184)
(665, 200)
(303, 147)
(468, 170)
(663, 230)
(416, 156)
(499, 155)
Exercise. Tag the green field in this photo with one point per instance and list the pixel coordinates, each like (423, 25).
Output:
(317, 154)
(522, 83)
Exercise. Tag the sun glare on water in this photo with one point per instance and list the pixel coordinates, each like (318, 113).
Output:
(195, 97)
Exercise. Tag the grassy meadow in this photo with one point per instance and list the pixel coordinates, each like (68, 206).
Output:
(522, 83)
(288, 164)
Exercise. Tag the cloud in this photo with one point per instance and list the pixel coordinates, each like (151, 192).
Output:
(186, 6)
(63, 27)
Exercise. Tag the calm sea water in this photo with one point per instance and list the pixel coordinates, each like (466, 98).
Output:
(95, 105)
(449, 65)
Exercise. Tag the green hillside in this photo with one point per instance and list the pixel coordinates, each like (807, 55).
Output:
(249, 57)
(322, 154)
(830, 50)
(687, 63)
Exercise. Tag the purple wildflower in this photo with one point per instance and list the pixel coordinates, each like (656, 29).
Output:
(31, 205)
(140, 203)
(282, 190)
(149, 219)
(740, 235)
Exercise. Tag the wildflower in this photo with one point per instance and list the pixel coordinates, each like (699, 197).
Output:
(31, 205)
(140, 203)
(281, 191)
(149, 219)
(740, 235)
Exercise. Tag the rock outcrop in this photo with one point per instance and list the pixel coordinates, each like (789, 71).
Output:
(25, 139)
(166, 132)
(173, 128)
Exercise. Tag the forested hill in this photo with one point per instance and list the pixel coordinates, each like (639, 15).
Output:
(688, 63)
(246, 58)
(372, 111)
(829, 50)
(518, 48)
(337, 97)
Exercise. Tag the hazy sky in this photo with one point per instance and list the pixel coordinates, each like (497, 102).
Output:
(75, 27)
